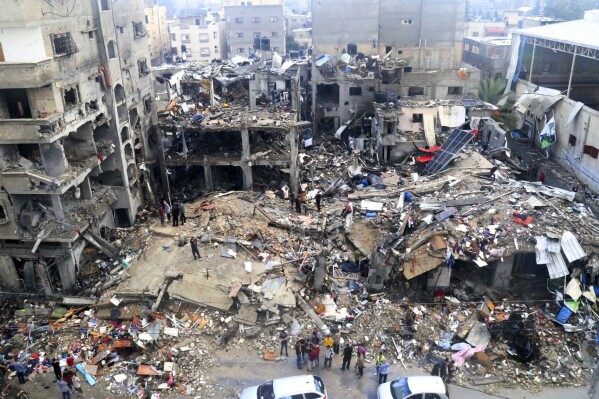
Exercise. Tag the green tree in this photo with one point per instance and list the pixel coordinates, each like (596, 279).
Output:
(492, 90)
(568, 9)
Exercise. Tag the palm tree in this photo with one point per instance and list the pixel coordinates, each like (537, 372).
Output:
(492, 90)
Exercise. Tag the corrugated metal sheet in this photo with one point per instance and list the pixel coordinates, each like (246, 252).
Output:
(541, 250)
(571, 247)
(556, 266)
(553, 245)
(537, 104)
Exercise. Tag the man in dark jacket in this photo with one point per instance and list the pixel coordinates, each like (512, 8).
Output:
(194, 248)
(175, 213)
(347, 353)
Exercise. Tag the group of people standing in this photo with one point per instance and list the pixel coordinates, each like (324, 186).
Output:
(307, 351)
(67, 380)
(177, 211)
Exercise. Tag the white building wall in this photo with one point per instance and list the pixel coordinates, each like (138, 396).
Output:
(22, 44)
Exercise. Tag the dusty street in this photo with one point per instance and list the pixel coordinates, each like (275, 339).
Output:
(240, 370)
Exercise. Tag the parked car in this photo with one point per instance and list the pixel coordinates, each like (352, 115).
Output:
(418, 387)
(297, 387)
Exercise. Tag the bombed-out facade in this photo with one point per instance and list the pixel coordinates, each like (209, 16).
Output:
(377, 51)
(250, 141)
(76, 130)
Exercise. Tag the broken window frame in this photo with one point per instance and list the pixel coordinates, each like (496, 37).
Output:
(142, 65)
(139, 29)
(69, 105)
(416, 91)
(63, 49)
(455, 90)
(572, 140)
(591, 151)
(355, 91)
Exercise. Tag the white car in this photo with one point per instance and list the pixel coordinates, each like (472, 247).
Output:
(298, 387)
(419, 387)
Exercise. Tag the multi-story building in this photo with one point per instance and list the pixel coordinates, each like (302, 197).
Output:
(157, 33)
(372, 47)
(198, 35)
(303, 36)
(76, 134)
(490, 55)
(249, 19)
(297, 21)
(485, 28)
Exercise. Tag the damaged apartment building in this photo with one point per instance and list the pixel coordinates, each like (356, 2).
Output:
(232, 127)
(76, 125)
(553, 68)
(378, 51)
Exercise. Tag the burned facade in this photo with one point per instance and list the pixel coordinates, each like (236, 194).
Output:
(366, 53)
(76, 118)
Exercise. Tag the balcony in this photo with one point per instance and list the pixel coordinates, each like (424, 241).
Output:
(30, 131)
(23, 75)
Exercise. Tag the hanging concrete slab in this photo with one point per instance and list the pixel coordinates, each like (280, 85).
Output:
(429, 129)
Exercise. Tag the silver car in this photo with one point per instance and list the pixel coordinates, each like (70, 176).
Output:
(418, 387)
(298, 387)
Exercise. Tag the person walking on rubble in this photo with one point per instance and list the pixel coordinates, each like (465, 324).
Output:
(182, 212)
(347, 353)
(194, 248)
(77, 386)
(347, 213)
(298, 353)
(175, 213)
(284, 338)
(57, 370)
(298, 205)
(161, 215)
(167, 210)
(318, 198)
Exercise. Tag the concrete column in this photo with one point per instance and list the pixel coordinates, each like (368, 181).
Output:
(252, 92)
(42, 273)
(54, 159)
(57, 207)
(9, 278)
(66, 269)
(86, 189)
(293, 151)
(245, 144)
(248, 181)
(208, 176)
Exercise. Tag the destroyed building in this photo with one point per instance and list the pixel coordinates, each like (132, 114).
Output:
(247, 138)
(553, 71)
(76, 135)
(366, 55)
